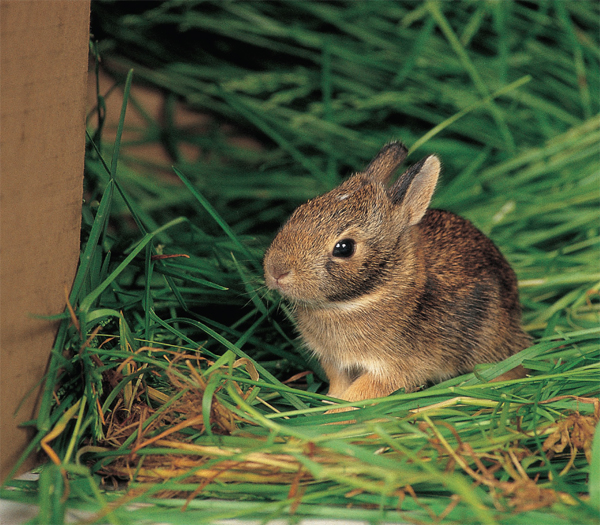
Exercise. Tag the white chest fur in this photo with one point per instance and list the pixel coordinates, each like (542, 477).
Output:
(348, 334)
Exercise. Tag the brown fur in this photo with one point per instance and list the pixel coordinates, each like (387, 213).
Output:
(424, 297)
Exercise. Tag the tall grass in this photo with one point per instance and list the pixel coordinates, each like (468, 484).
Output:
(174, 369)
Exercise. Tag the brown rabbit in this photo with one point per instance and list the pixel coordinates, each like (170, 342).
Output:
(389, 294)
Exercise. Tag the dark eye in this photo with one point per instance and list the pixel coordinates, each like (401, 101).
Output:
(344, 248)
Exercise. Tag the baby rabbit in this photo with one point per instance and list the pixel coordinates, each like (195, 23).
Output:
(389, 294)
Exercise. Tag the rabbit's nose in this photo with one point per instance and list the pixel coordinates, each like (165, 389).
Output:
(280, 276)
(276, 274)
(280, 279)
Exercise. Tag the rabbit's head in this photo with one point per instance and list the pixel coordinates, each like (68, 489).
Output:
(344, 244)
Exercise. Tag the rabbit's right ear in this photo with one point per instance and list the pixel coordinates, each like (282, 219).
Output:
(383, 166)
(413, 190)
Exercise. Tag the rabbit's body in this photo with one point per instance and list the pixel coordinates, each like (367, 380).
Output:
(391, 295)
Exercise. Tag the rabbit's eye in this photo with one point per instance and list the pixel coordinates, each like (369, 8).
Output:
(344, 248)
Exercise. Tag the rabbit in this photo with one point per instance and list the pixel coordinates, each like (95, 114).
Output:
(389, 294)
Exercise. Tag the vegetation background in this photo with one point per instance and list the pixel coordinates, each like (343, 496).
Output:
(176, 371)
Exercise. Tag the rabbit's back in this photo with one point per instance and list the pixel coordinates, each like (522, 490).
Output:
(469, 301)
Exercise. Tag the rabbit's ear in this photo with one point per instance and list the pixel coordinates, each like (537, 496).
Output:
(383, 166)
(413, 190)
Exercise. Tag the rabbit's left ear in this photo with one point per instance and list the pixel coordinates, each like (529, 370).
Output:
(383, 166)
(413, 190)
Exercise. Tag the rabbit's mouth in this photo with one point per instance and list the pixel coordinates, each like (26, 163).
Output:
(286, 283)
(277, 277)
(287, 290)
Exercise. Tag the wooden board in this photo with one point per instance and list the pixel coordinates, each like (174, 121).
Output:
(43, 71)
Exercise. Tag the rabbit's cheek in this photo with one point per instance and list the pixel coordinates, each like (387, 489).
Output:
(354, 279)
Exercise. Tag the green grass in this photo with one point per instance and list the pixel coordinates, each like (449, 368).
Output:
(504, 92)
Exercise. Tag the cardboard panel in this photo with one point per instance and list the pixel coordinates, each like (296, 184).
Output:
(42, 122)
